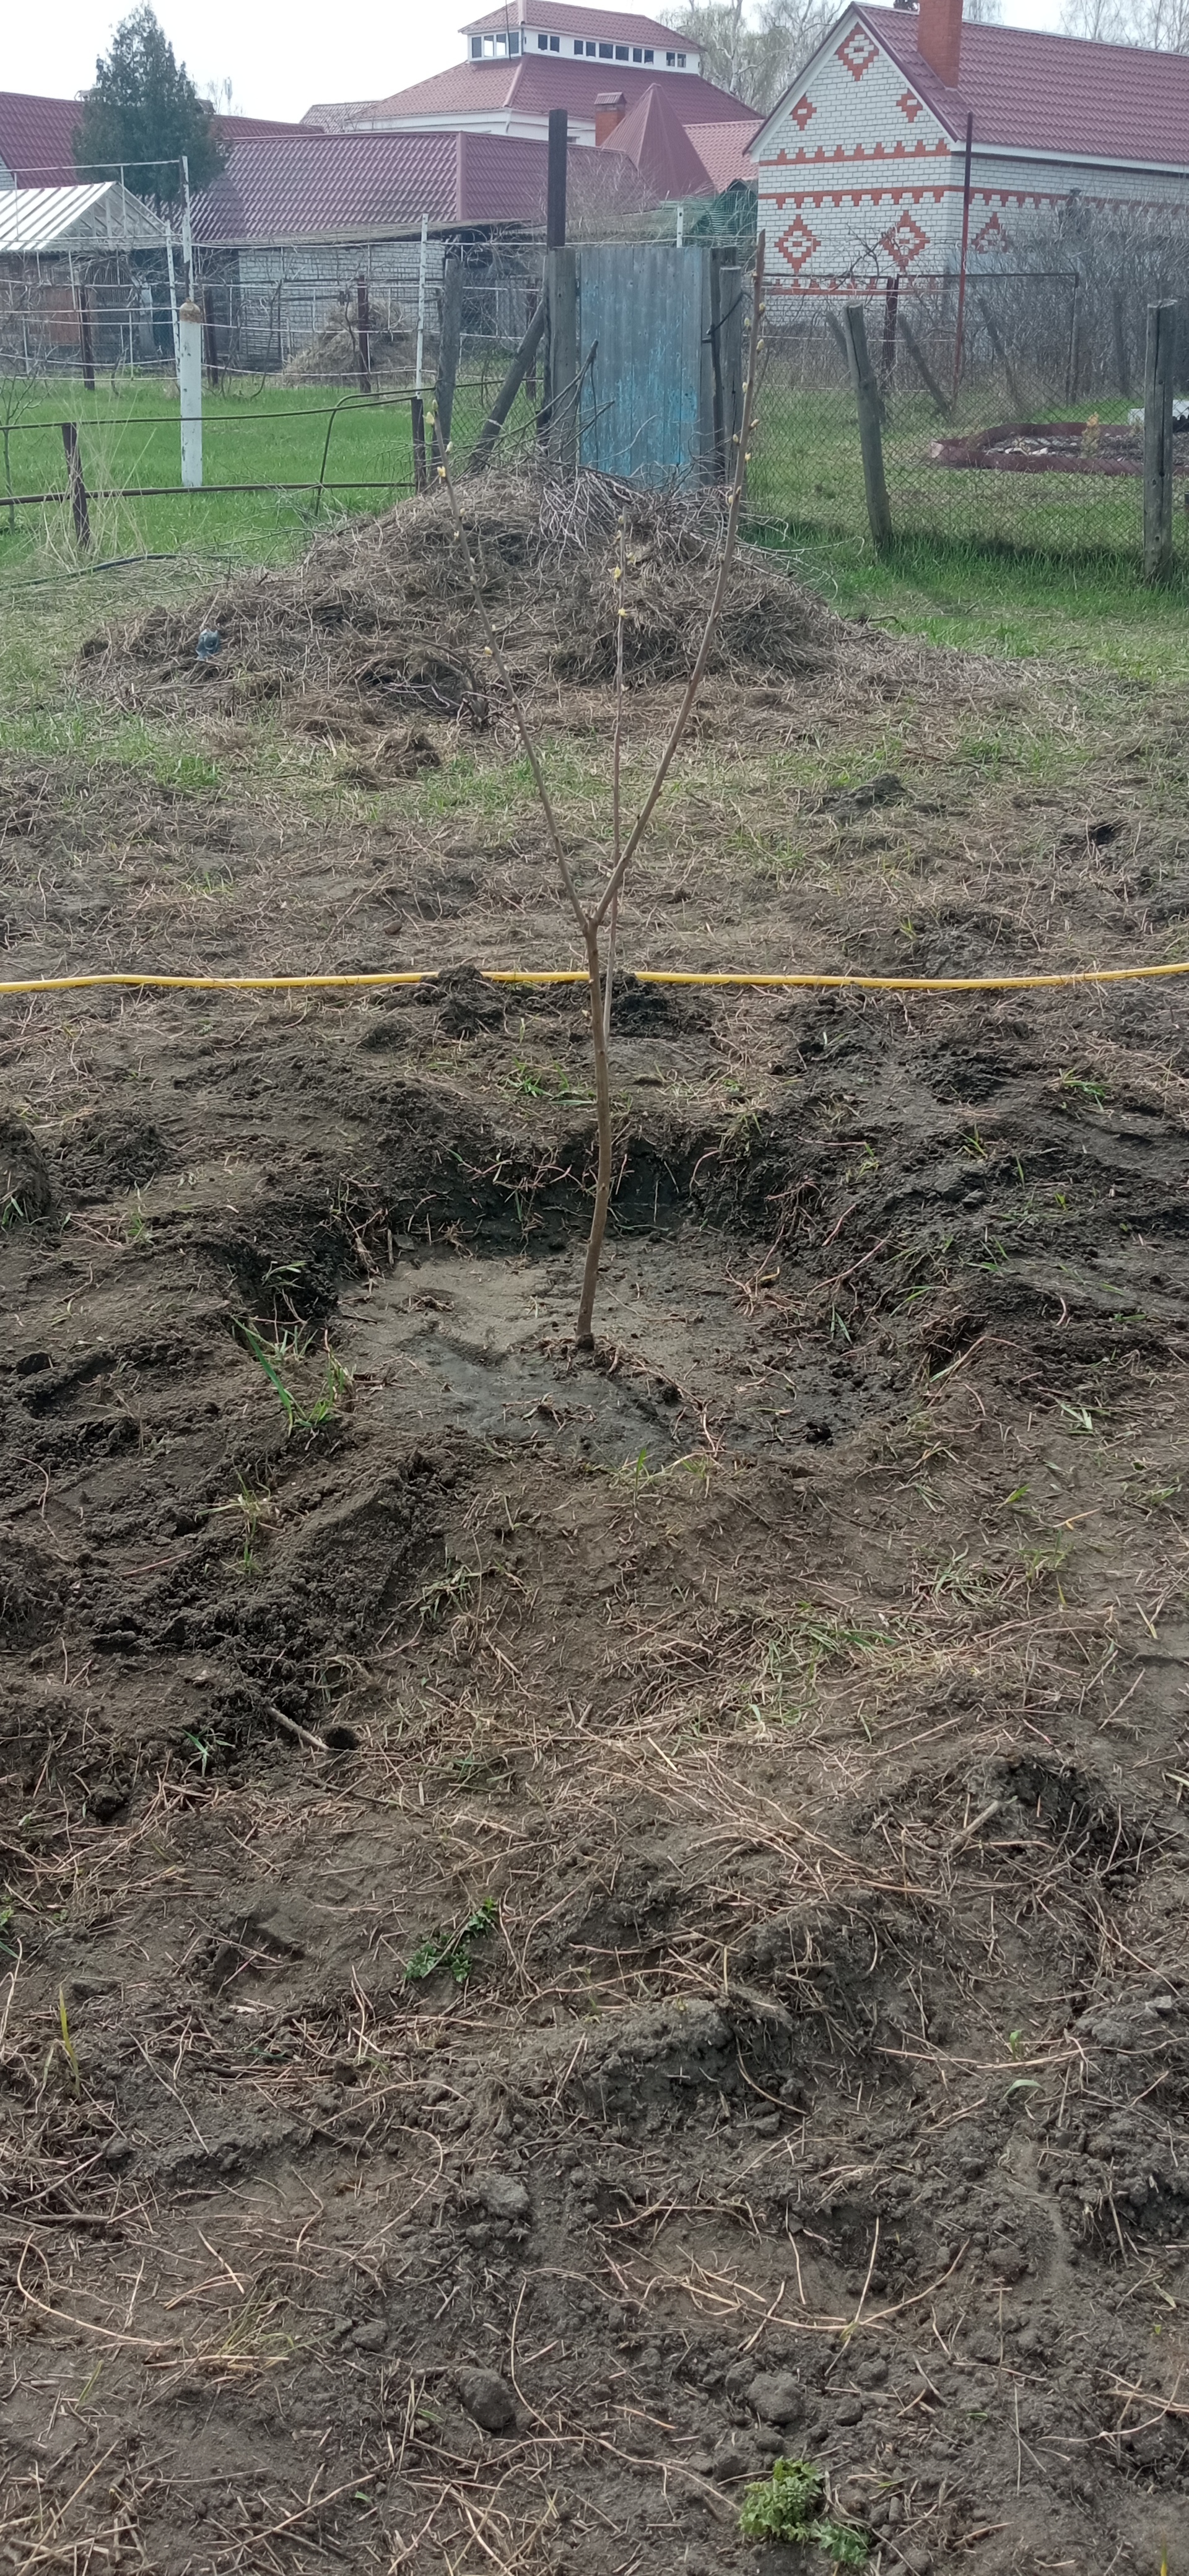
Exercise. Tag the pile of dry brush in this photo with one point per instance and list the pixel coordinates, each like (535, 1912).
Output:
(378, 621)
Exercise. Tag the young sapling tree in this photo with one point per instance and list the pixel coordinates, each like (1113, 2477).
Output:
(600, 914)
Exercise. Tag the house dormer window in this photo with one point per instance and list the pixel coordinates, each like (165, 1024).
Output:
(491, 49)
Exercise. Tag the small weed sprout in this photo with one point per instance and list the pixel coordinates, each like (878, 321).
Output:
(789, 2506)
(452, 1949)
(258, 1512)
(288, 1348)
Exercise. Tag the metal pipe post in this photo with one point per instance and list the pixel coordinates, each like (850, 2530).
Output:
(190, 389)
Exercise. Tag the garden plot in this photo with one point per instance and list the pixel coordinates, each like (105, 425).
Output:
(578, 1924)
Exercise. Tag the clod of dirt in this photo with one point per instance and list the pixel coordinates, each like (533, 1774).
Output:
(503, 2197)
(465, 1000)
(25, 1186)
(777, 2397)
(885, 789)
(654, 1010)
(487, 2399)
(384, 617)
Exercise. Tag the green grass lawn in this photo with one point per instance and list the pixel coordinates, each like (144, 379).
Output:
(253, 432)
(995, 562)
(999, 563)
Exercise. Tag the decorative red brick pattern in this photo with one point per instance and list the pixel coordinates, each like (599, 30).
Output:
(904, 242)
(798, 244)
(909, 106)
(802, 112)
(994, 236)
(858, 51)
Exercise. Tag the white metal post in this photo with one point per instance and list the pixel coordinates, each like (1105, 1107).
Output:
(681, 225)
(421, 299)
(190, 389)
(173, 300)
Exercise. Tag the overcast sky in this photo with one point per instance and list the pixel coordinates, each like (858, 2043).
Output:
(278, 61)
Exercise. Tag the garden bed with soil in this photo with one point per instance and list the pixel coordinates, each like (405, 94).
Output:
(576, 1925)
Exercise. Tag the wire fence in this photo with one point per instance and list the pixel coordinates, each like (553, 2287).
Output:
(326, 317)
(1007, 424)
(1011, 406)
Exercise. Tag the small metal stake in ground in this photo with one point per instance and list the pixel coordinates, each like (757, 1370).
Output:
(78, 489)
(1158, 393)
(866, 395)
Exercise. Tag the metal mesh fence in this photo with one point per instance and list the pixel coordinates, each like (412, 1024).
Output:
(325, 318)
(1008, 425)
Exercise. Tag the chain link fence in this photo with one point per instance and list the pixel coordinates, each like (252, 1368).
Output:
(1012, 419)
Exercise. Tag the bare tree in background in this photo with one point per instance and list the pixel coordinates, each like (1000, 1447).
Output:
(755, 52)
(1162, 25)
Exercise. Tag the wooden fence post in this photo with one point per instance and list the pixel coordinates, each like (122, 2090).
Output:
(418, 422)
(448, 348)
(1158, 392)
(78, 489)
(870, 434)
(563, 358)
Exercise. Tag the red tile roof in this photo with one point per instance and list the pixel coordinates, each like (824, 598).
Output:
(726, 150)
(37, 136)
(654, 139)
(531, 86)
(553, 17)
(347, 187)
(1052, 94)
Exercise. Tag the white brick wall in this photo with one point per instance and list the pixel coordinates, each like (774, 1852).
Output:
(859, 183)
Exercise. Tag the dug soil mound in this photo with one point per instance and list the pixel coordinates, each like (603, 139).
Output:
(381, 622)
(576, 1924)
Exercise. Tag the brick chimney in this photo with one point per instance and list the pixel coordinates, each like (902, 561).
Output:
(611, 107)
(939, 38)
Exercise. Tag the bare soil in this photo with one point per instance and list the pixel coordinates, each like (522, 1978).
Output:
(577, 1924)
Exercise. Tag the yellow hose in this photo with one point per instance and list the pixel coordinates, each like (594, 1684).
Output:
(577, 975)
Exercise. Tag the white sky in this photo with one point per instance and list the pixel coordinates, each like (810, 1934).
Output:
(280, 63)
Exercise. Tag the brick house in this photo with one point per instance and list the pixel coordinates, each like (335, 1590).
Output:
(909, 133)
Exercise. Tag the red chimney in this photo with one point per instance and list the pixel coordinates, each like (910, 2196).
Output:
(611, 107)
(939, 38)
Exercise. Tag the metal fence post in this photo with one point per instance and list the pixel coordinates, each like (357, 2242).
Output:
(870, 433)
(1158, 392)
(78, 489)
(190, 390)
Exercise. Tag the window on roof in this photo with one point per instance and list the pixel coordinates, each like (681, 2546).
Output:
(621, 53)
(648, 54)
(542, 44)
(671, 60)
(592, 49)
(497, 47)
(476, 49)
(555, 44)
(681, 62)
(606, 53)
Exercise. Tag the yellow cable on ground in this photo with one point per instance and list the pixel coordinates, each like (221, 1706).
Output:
(577, 975)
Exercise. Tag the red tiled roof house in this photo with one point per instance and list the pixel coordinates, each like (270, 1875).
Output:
(862, 165)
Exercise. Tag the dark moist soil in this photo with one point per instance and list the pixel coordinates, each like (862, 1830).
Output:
(575, 1925)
